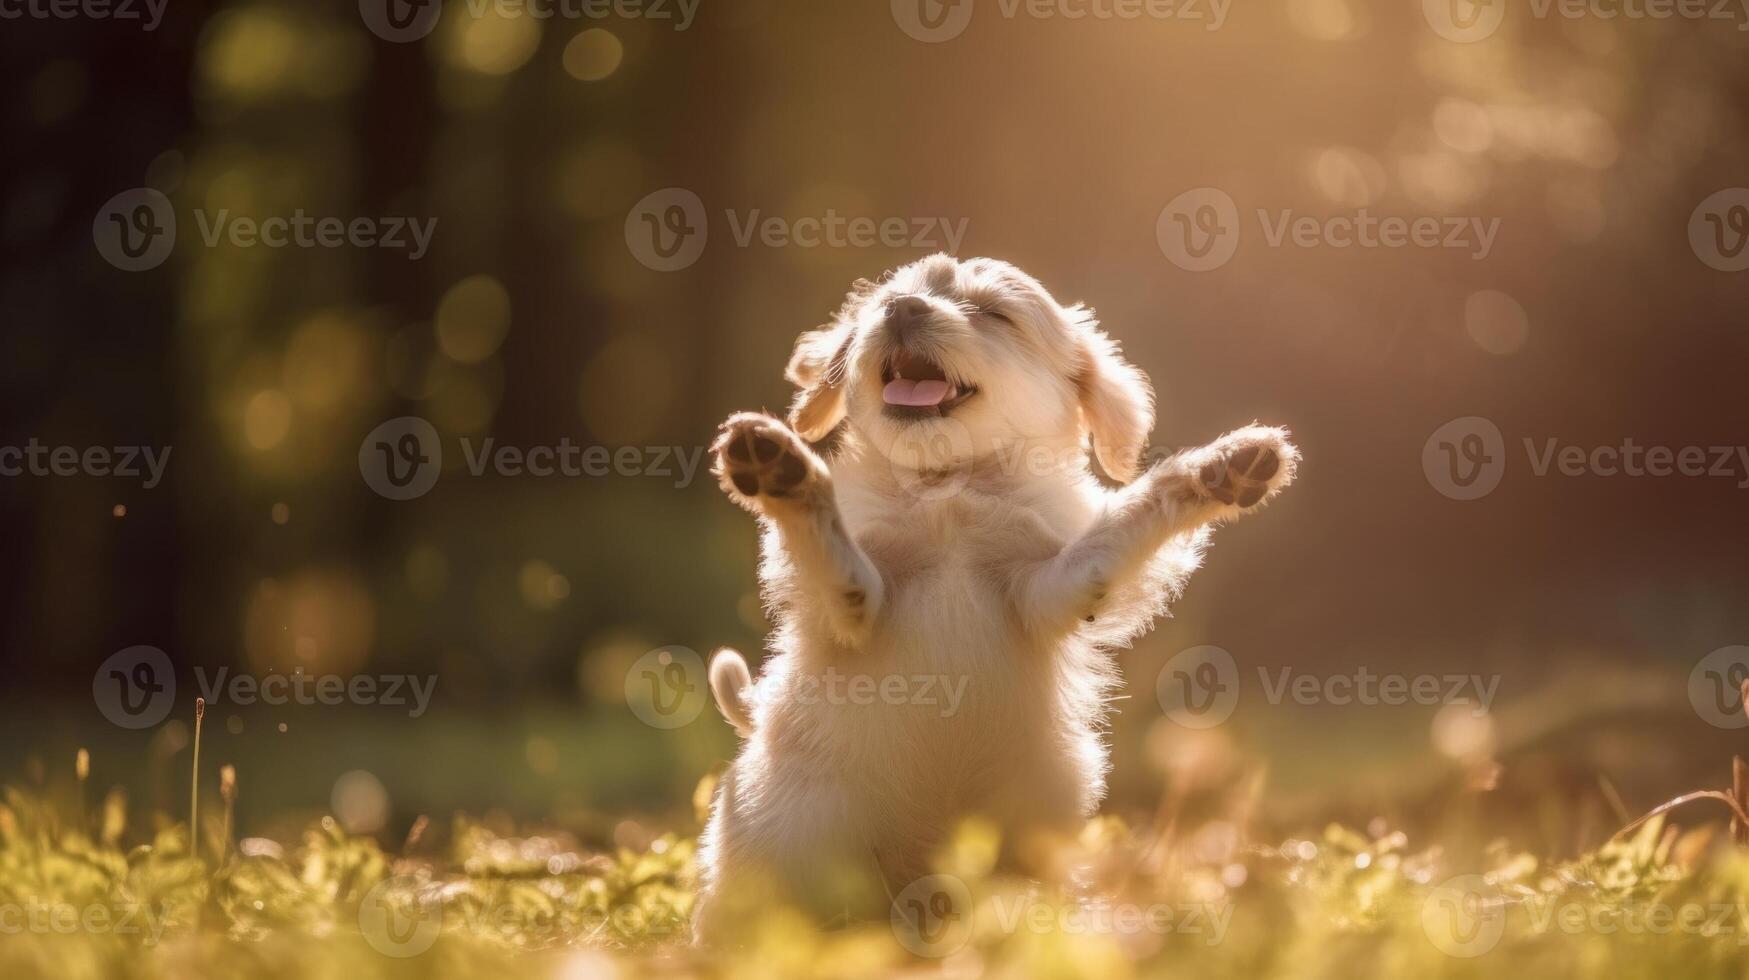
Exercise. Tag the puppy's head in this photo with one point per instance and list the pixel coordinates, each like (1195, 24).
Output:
(952, 360)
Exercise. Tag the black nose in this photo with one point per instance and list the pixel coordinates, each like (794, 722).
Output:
(906, 314)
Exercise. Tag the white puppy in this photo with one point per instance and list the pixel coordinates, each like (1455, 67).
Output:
(947, 581)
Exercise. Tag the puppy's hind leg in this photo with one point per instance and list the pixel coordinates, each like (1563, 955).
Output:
(781, 837)
(768, 469)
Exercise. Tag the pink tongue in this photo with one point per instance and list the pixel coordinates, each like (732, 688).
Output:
(916, 394)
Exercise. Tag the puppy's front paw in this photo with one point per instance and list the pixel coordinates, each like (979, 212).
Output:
(758, 456)
(1240, 469)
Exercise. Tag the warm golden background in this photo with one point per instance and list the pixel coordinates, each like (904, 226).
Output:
(1059, 142)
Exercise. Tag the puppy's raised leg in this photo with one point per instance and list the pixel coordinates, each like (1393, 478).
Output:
(768, 469)
(1220, 481)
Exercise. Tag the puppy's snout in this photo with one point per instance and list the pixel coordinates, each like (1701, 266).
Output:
(906, 315)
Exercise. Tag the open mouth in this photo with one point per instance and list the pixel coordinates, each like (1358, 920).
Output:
(914, 385)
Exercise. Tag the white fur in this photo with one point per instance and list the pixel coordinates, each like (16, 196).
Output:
(979, 548)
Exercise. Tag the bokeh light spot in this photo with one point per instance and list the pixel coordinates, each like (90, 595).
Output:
(360, 802)
(472, 319)
(496, 43)
(541, 585)
(248, 53)
(1459, 732)
(1495, 321)
(325, 362)
(593, 55)
(1463, 125)
(1325, 20)
(267, 419)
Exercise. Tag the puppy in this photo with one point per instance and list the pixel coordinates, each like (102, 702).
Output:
(955, 531)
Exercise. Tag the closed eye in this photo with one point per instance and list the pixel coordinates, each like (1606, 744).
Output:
(998, 315)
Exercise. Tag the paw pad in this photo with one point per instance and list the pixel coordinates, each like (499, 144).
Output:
(1243, 477)
(759, 456)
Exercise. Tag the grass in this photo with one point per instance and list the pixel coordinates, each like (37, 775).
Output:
(92, 891)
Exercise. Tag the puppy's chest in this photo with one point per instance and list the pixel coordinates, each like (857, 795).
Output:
(955, 559)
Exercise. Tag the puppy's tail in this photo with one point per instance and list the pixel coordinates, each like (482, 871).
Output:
(730, 683)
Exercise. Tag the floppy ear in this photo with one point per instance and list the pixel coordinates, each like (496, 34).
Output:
(818, 367)
(1117, 403)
